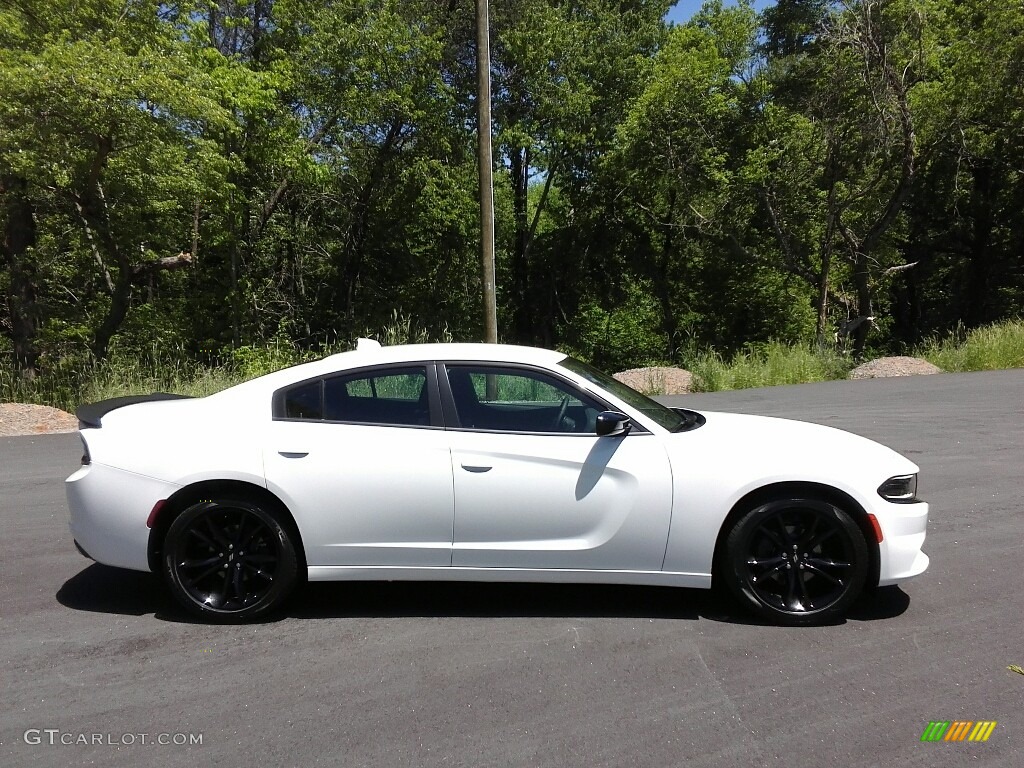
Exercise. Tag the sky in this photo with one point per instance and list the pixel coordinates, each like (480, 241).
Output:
(684, 9)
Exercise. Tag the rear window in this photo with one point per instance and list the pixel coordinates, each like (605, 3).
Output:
(395, 396)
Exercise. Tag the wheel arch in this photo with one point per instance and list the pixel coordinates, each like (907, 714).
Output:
(790, 490)
(185, 497)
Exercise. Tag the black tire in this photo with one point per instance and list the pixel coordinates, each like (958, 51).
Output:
(229, 560)
(796, 561)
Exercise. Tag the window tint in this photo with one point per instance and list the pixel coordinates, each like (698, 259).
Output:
(303, 402)
(519, 401)
(394, 396)
(666, 417)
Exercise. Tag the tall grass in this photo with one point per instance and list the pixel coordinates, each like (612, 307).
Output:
(72, 382)
(767, 366)
(68, 385)
(994, 346)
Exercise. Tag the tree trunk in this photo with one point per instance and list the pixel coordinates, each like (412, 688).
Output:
(19, 237)
(662, 285)
(120, 301)
(359, 229)
(862, 282)
(976, 310)
(519, 172)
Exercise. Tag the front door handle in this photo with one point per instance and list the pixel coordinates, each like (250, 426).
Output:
(294, 454)
(475, 468)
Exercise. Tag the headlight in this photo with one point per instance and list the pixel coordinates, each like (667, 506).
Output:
(901, 489)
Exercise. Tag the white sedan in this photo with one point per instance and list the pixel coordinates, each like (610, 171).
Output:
(484, 463)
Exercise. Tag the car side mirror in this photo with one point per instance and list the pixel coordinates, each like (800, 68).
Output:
(611, 423)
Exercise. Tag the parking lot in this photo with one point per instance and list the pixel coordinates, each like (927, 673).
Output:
(99, 666)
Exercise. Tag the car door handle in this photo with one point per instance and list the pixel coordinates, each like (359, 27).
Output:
(294, 454)
(475, 468)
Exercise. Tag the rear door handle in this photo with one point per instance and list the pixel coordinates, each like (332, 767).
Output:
(294, 454)
(476, 469)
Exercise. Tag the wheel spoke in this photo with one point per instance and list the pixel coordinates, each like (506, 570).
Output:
(772, 535)
(219, 597)
(808, 535)
(792, 600)
(208, 541)
(821, 572)
(199, 563)
(768, 561)
(805, 599)
(265, 575)
(819, 562)
(236, 582)
(760, 578)
(781, 521)
(258, 558)
(218, 535)
(821, 538)
(211, 570)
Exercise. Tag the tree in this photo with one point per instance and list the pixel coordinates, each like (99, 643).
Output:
(965, 216)
(837, 182)
(102, 125)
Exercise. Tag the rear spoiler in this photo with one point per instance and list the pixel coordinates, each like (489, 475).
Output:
(90, 414)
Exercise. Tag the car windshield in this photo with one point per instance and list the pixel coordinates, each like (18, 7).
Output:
(657, 412)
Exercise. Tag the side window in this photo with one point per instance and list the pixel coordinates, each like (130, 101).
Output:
(393, 396)
(517, 400)
(303, 402)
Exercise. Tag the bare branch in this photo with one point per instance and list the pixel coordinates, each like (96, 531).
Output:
(899, 268)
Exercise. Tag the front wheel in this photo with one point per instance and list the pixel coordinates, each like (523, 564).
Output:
(229, 560)
(796, 561)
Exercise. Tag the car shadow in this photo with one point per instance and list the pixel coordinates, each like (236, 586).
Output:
(493, 600)
(103, 589)
(879, 603)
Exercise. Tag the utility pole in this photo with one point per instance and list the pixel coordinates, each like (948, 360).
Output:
(483, 131)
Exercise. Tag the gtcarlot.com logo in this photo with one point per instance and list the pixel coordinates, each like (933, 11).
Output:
(55, 736)
(958, 730)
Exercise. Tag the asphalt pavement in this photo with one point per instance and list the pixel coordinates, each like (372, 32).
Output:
(99, 666)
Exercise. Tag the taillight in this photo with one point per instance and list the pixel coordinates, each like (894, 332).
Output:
(154, 513)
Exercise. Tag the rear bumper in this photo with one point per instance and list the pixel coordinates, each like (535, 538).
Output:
(109, 508)
(903, 533)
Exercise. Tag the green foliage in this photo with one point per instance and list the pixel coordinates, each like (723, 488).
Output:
(626, 335)
(767, 365)
(990, 347)
(251, 183)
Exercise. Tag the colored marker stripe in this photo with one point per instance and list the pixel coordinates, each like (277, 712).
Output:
(935, 730)
(982, 730)
(958, 730)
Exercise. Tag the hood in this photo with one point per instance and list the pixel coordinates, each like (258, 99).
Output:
(790, 450)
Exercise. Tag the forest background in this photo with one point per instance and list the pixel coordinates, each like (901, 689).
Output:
(205, 180)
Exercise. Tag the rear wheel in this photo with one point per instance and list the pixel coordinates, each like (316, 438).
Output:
(229, 560)
(796, 561)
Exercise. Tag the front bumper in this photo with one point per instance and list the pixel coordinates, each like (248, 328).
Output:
(109, 508)
(903, 533)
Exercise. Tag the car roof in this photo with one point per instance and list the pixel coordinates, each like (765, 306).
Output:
(503, 353)
(372, 355)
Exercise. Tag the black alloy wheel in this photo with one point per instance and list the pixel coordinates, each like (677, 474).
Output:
(796, 561)
(229, 560)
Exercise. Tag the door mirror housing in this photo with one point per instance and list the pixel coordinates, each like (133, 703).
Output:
(611, 423)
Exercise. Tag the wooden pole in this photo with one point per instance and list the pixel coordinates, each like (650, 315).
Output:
(483, 104)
